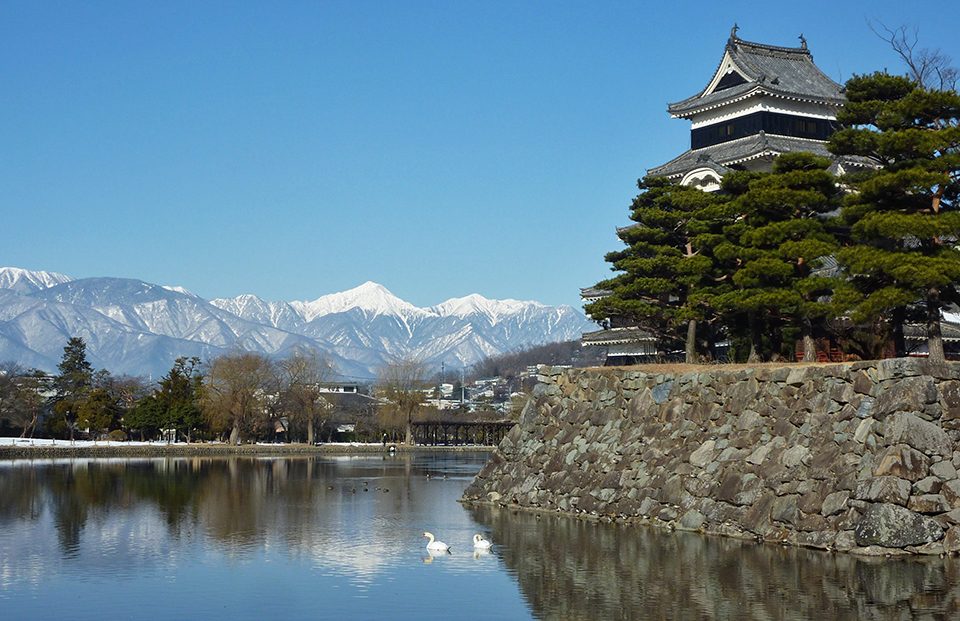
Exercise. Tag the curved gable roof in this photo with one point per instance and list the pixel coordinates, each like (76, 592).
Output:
(766, 69)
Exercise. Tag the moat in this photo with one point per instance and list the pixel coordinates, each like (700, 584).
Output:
(335, 537)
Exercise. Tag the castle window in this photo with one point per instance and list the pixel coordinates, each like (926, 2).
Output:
(752, 124)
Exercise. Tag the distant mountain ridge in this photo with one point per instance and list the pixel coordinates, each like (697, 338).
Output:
(136, 327)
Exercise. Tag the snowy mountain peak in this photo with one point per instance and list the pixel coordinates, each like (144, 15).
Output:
(179, 289)
(370, 296)
(132, 326)
(28, 281)
(475, 303)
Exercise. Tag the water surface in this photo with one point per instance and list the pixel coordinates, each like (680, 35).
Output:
(340, 537)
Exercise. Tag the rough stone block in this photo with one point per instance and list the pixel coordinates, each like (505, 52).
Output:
(951, 491)
(902, 461)
(703, 455)
(845, 541)
(894, 368)
(866, 408)
(884, 489)
(834, 503)
(784, 509)
(893, 526)
(740, 489)
(812, 501)
(797, 376)
(950, 400)
(748, 420)
(661, 392)
(760, 454)
(928, 503)
(944, 470)
(951, 540)
(863, 429)
(862, 383)
(928, 549)
(731, 453)
(692, 520)
(922, 435)
(928, 485)
(794, 456)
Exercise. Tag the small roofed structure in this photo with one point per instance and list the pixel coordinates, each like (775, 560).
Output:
(916, 338)
(624, 346)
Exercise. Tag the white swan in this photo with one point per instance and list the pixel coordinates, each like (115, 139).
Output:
(481, 543)
(433, 544)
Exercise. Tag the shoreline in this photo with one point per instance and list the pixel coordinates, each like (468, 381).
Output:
(27, 451)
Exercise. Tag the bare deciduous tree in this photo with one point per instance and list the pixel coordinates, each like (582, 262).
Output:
(300, 378)
(236, 393)
(402, 384)
(931, 68)
(20, 397)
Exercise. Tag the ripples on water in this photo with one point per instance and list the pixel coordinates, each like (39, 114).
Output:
(299, 538)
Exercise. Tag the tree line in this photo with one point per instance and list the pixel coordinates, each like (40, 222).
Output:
(235, 397)
(798, 254)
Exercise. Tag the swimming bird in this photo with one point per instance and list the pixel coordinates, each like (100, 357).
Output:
(481, 543)
(433, 544)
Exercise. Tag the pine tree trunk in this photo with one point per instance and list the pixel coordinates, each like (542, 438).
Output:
(310, 432)
(691, 347)
(934, 337)
(235, 435)
(755, 338)
(809, 345)
(899, 342)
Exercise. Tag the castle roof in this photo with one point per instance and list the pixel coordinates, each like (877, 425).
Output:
(750, 69)
(722, 156)
(617, 336)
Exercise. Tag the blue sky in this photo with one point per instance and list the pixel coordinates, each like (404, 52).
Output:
(293, 149)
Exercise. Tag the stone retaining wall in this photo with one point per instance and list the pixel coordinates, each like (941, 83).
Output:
(859, 457)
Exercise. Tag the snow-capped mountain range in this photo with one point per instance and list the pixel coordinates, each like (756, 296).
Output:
(140, 328)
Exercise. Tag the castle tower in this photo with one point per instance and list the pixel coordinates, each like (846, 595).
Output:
(763, 100)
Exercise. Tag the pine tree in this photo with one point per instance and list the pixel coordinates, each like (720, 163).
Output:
(663, 264)
(178, 398)
(775, 242)
(903, 215)
(74, 381)
(98, 411)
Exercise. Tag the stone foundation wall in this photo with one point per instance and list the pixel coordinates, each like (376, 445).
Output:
(859, 457)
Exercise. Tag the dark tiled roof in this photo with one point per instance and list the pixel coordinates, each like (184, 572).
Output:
(768, 69)
(721, 156)
(616, 336)
(949, 330)
(592, 292)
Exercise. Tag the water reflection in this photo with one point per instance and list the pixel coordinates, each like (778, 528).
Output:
(347, 515)
(341, 538)
(576, 569)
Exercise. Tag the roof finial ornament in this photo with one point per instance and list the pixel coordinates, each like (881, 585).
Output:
(733, 31)
(803, 42)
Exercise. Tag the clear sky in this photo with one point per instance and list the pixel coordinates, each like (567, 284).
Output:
(293, 149)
